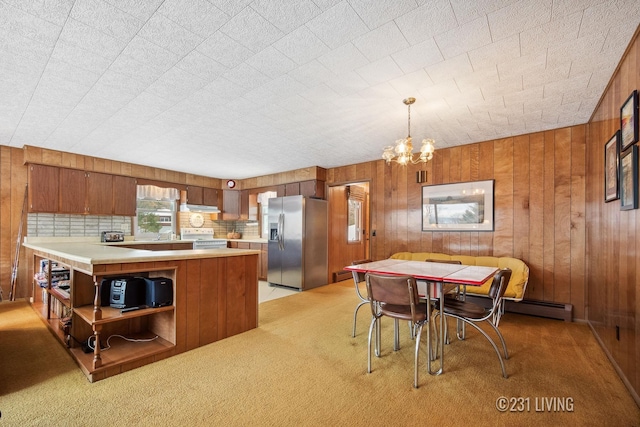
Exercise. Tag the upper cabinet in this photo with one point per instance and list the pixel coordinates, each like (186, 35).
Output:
(230, 204)
(86, 192)
(211, 197)
(44, 182)
(312, 188)
(194, 195)
(124, 195)
(203, 196)
(99, 193)
(292, 189)
(74, 191)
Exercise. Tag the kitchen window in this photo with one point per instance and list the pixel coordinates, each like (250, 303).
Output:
(156, 212)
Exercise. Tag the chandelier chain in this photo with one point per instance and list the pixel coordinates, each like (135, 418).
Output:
(409, 122)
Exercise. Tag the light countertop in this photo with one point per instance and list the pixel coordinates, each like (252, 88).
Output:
(99, 253)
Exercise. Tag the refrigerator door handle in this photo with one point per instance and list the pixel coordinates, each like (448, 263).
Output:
(280, 231)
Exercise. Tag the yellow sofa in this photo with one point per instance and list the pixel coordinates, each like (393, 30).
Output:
(519, 270)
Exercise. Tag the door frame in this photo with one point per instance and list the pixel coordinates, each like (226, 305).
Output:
(334, 263)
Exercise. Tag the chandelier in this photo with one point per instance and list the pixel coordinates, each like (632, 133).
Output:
(402, 151)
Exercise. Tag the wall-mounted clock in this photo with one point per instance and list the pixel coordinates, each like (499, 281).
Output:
(196, 220)
(231, 183)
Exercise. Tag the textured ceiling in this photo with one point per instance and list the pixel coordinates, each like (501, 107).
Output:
(241, 88)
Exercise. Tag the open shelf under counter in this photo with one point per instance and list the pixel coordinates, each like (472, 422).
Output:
(110, 314)
(52, 320)
(61, 297)
(123, 355)
(215, 292)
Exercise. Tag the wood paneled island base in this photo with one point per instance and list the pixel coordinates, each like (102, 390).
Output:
(215, 295)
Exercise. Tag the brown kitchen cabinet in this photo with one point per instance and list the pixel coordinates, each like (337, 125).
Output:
(211, 197)
(292, 189)
(230, 204)
(263, 262)
(96, 193)
(44, 182)
(244, 205)
(73, 191)
(124, 195)
(309, 188)
(99, 193)
(262, 259)
(195, 195)
(85, 192)
(312, 188)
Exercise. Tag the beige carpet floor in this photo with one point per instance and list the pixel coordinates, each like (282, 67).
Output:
(301, 367)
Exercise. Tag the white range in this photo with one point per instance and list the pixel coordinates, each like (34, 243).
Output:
(202, 238)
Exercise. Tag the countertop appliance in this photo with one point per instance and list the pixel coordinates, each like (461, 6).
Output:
(112, 236)
(298, 255)
(202, 238)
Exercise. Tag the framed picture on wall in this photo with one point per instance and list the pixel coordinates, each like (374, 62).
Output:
(629, 179)
(611, 172)
(464, 206)
(629, 121)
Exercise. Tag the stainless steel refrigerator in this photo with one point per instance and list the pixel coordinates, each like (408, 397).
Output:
(298, 235)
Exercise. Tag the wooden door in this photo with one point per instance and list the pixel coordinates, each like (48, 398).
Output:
(312, 188)
(73, 191)
(99, 193)
(194, 195)
(244, 204)
(124, 195)
(341, 251)
(292, 189)
(210, 196)
(43, 188)
(231, 204)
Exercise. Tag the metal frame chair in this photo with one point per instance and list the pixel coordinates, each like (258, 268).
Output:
(357, 279)
(473, 314)
(395, 297)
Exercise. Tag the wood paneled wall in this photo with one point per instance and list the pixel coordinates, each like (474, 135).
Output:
(613, 255)
(539, 207)
(13, 183)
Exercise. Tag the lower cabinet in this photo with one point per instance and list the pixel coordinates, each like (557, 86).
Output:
(263, 262)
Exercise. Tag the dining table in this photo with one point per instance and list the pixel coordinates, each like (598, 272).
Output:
(437, 276)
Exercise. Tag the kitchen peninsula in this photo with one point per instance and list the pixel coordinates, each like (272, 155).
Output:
(215, 295)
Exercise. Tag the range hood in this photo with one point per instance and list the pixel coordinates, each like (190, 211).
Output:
(199, 208)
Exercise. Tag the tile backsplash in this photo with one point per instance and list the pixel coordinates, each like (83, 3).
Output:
(62, 225)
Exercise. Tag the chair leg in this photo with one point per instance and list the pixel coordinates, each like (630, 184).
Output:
(396, 335)
(417, 353)
(355, 317)
(493, 344)
(374, 323)
(504, 344)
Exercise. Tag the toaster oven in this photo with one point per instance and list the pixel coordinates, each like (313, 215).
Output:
(112, 236)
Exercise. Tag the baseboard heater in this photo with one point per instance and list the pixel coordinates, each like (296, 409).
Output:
(339, 276)
(550, 310)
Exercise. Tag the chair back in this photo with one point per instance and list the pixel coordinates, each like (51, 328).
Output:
(392, 290)
(499, 285)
